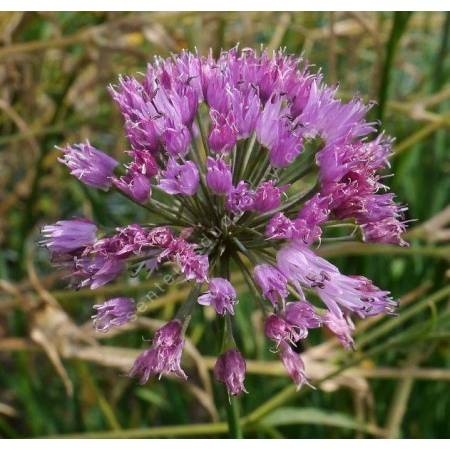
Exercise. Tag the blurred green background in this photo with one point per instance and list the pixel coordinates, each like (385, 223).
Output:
(59, 378)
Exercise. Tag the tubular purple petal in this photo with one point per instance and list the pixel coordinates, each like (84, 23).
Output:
(91, 166)
(180, 178)
(67, 236)
(272, 282)
(218, 176)
(293, 364)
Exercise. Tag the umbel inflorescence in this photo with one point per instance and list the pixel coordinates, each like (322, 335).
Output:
(253, 154)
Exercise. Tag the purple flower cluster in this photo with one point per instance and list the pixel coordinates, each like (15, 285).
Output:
(96, 262)
(306, 227)
(340, 293)
(348, 174)
(218, 153)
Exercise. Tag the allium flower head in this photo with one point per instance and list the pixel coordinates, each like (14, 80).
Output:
(238, 162)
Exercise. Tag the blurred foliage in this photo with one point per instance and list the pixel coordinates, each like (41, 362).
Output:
(55, 380)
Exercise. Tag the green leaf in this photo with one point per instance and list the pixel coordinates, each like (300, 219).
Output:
(315, 416)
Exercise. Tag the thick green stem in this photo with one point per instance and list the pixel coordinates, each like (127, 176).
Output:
(187, 307)
(232, 407)
(234, 424)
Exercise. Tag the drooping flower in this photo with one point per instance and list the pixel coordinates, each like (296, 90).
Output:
(342, 327)
(225, 138)
(67, 236)
(113, 313)
(221, 294)
(230, 370)
(147, 365)
(164, 357)
(293, 364)
(89, 165)
(168, 335)
(348, 173)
